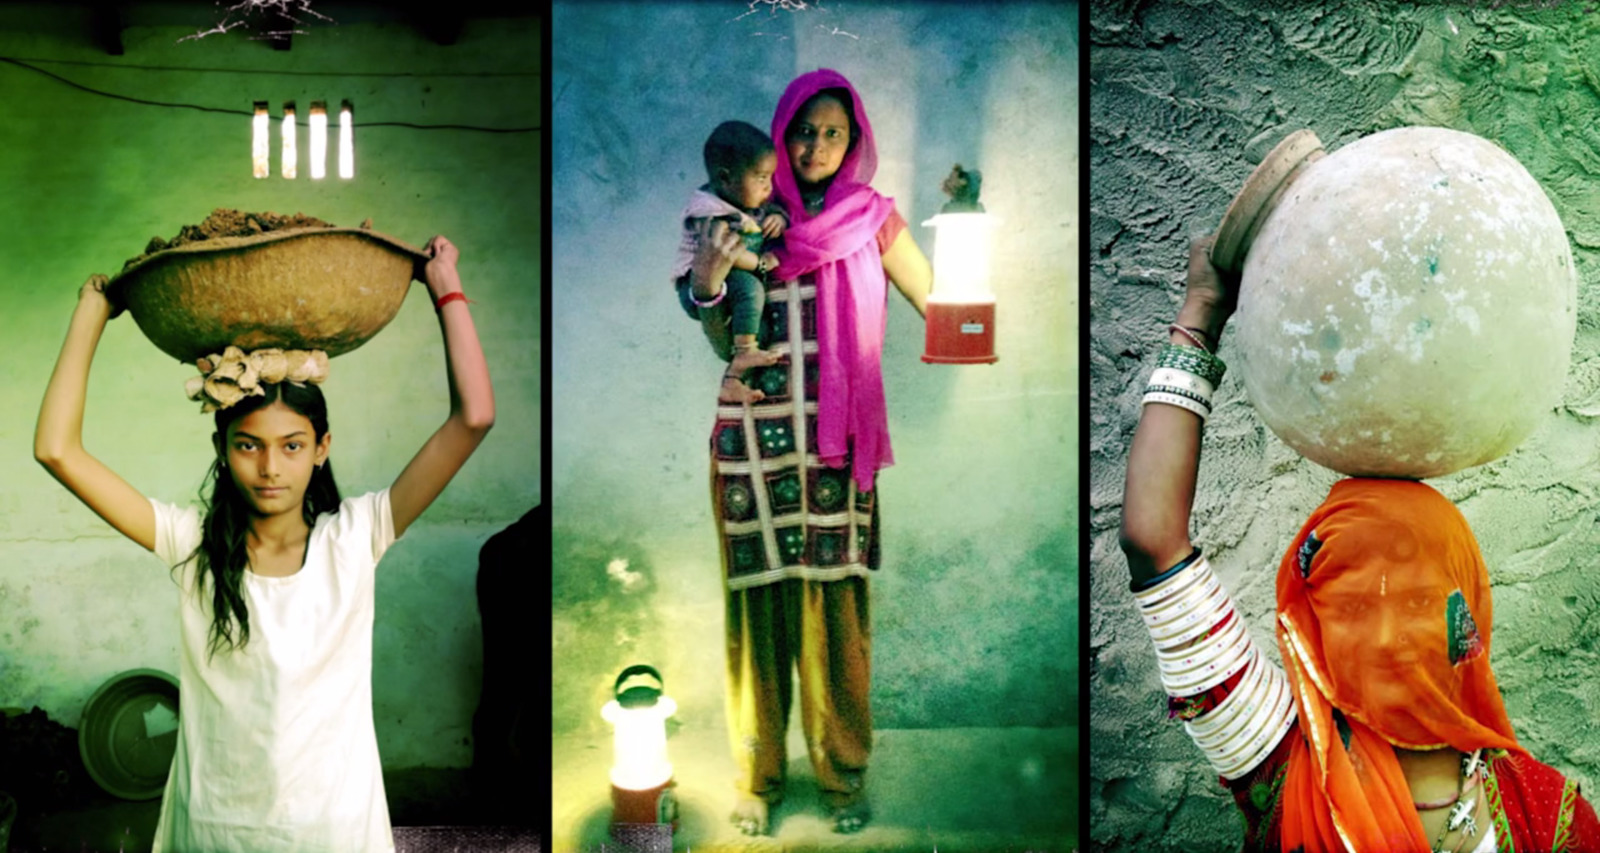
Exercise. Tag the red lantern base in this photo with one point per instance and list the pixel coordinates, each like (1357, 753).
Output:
(960, 333)
(655, 805)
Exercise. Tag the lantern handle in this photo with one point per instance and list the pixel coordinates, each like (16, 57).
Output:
(639, 669)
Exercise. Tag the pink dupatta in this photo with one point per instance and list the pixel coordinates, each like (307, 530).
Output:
(838, 247)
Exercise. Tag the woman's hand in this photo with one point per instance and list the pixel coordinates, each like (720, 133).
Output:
(93, 296)
(716, 248)
(439, 274)
(1211, 294)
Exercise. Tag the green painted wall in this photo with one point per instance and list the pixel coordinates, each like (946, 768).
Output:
(1186, 96)
(88, 179)
(975, 609)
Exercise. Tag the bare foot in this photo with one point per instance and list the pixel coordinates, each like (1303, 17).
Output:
(734, 391)
(851, 818)
(746, 359)
(750, 815)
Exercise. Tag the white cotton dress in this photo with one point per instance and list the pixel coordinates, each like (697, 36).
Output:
(276, 748)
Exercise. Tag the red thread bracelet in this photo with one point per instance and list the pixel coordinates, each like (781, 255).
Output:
(448, 298)
(1191, 333)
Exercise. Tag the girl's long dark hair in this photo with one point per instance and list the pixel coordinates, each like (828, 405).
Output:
(222, 553)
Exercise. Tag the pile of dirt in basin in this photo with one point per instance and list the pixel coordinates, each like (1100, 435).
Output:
(224, 222)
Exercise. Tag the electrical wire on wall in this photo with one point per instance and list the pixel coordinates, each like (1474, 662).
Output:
(249, 113)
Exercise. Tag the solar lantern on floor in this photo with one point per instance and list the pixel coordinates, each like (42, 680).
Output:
(641, 773)
(960, 312)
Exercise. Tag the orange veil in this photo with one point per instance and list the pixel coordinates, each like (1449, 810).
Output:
(1384, 618)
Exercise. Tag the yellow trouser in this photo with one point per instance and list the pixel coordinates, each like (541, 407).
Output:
(823, 627)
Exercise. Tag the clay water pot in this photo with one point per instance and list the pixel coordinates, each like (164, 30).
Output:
(1407, 303)
(330, 289)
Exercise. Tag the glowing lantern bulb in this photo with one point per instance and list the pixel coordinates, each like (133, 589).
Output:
(961, 257)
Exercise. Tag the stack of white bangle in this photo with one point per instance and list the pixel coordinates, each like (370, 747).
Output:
(1185, 376)
(1180, 388)
(1248, 725)
(1249, 722)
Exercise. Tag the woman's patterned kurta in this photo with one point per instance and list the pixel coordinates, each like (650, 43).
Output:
(781, 513)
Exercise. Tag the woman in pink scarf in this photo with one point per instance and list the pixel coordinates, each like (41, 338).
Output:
(793, 472)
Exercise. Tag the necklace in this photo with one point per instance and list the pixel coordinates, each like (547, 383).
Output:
(1462, 810)
(1434, 805)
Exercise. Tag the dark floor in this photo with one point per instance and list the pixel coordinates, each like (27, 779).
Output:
(428, 807)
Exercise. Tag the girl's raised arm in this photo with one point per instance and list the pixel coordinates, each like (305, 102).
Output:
(58, 436)
(471, 397)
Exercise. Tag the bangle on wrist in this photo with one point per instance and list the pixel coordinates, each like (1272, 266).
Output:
(1183, 379)
(1193, 360)
(1198, 336)
(1233, 702)
(1180, 401)
(1152, 582)
(453, 296)
(713, 300)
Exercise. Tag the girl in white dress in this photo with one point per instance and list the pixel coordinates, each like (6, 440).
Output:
(276, 749)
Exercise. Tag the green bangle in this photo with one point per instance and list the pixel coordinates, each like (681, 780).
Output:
(1193, 360)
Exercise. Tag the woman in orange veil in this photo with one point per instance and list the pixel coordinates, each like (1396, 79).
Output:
(1385, 729)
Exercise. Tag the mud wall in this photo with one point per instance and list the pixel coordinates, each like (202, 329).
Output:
(974, 611)
(1184, 97)
(88, 179)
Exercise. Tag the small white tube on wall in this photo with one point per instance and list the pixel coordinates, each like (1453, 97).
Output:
(290, 155)
(319, 139)
(258, 142)
(347, 143)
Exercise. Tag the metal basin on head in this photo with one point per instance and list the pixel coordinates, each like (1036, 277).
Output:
(329, 289)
